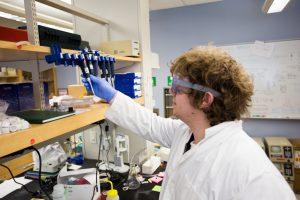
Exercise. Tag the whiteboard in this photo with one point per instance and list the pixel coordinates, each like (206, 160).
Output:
(275, 71)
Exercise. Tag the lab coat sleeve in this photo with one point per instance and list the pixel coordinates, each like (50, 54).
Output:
(268, 187)
(136, 118)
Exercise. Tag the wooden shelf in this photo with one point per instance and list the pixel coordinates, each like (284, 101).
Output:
(10, 52)
(39, 133)
(8, 76)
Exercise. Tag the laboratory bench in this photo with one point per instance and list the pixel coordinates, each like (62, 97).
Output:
(143, 192)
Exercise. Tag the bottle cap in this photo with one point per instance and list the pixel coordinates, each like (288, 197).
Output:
(112, 193)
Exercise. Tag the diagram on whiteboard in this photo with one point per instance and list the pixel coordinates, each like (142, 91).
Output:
(275, 71)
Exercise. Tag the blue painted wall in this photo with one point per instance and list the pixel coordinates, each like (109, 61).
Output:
(174, 31)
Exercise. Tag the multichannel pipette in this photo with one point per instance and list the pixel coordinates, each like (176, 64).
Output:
(85, 71)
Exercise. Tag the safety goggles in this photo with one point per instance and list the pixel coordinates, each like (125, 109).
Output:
(181, 86)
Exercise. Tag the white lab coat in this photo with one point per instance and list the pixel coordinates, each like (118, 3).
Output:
(226, 165)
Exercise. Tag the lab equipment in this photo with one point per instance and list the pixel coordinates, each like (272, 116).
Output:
(279, 149)
(88, 61)
(112, 70)
(105, 148)
(53, 158)
(88, 58)
(101, 64)
(132, 181)
(112, 194)
(296, 144)
(107, 67)
(58, 192)
(86, 75)
(286, 169)
(122, 147)
(78, 192)
(151, 165)
(94, 61)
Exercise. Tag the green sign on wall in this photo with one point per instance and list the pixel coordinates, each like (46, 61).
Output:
(170, 80)
(153, 81)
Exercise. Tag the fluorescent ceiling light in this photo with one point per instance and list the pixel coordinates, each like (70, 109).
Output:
(20, 12)
(273, 6)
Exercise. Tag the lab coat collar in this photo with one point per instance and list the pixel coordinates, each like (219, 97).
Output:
(214, 130)
(213, 136)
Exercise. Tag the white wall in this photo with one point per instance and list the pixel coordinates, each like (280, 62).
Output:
(174, 31)
(125, 21)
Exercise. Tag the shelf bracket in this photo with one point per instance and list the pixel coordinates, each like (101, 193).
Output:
(33, 37)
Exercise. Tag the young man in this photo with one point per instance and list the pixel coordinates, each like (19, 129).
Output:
(211, 157)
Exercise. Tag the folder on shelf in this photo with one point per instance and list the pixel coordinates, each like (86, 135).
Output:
(41, 116)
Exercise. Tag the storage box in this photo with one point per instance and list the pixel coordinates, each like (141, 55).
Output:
(9, 93)
(135, 94)
(49, 36)
(12, 34)
(122, 47)
(77, 91)
(25, 96)
(125, 81)
(11, 71)
(78, 192)
(129, 75)
(128, 87)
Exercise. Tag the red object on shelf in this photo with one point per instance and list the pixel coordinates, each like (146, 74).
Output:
(12, 34)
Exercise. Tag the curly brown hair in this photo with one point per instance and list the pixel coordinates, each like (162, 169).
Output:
(214, 68)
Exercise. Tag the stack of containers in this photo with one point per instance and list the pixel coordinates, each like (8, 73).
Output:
(129, 84)
(280, 152)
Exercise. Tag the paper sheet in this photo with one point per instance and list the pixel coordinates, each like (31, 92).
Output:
(156, 188)
(9, 186)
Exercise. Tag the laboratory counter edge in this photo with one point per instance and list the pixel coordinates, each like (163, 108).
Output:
(144, 192)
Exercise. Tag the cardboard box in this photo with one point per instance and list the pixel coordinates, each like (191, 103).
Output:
(77, 91)
(78, 192)
(121, 47)
(11, 71)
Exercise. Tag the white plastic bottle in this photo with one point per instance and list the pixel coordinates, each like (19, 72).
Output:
(58, 192)
(112, 194)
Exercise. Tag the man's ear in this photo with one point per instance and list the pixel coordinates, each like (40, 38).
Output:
(207, 100)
